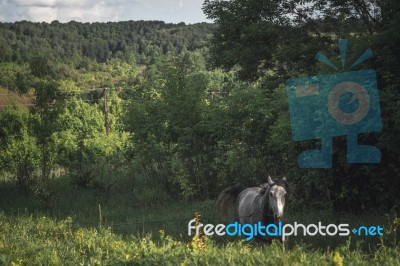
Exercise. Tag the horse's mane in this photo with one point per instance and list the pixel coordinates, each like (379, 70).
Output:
(266, 186)
(282, 183)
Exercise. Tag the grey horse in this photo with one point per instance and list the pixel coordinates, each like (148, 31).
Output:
(263, 204)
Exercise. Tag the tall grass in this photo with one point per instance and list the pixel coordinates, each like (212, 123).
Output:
(71, 232)
(25, 240)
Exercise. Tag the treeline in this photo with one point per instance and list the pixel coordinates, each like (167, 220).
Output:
(141, 40)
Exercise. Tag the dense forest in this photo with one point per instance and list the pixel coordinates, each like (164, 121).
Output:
(183, 111)
(100, 41)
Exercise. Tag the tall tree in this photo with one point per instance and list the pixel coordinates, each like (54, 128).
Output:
(279, 38)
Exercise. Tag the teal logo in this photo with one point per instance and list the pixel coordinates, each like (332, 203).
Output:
(338, 104)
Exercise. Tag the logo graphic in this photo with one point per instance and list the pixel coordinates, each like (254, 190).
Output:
(281, 230)
(339, 104)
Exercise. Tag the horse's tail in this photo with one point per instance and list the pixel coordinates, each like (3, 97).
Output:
(228, 197)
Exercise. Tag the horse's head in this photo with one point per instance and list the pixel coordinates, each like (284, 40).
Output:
(276, 193)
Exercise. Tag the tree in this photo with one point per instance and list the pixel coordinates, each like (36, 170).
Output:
(20, 154)
(83, 148)
(280, 38)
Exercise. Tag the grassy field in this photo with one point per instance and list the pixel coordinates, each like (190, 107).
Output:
(92, 227)
(9, 98)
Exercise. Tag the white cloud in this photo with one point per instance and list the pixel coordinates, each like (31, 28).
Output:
(39, 13)
(98, 12)
(188, 11)
(52, 3)
(35, 2)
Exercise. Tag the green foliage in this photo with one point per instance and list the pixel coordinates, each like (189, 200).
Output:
(260, 38)
(68, 131)
(33, 241)
(275, 40)
(162, 115)
(22, 157)
(20, 154)
(192, 127)
(131, 40)
(83, 147)
(14, 123)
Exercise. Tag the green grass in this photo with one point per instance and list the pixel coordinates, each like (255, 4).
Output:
(68, 232)
(26, 240)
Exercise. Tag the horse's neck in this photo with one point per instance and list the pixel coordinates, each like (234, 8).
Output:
(265, 206)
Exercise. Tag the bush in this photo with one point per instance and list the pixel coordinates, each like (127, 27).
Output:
(22, 158)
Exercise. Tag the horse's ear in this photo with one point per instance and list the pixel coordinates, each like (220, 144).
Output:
(284, 179)
(270, 180)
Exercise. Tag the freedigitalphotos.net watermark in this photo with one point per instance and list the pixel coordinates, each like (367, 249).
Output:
(281, 230)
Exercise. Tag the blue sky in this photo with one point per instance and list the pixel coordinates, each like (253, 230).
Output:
(188, 11)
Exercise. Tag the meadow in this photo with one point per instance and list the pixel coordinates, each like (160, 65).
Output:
(94, 227)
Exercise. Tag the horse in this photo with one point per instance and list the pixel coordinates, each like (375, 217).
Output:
(263, 204)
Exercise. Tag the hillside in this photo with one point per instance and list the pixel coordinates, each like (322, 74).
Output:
(101, 41)
(8, 98)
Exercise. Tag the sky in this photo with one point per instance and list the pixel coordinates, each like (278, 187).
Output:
(175, 11)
